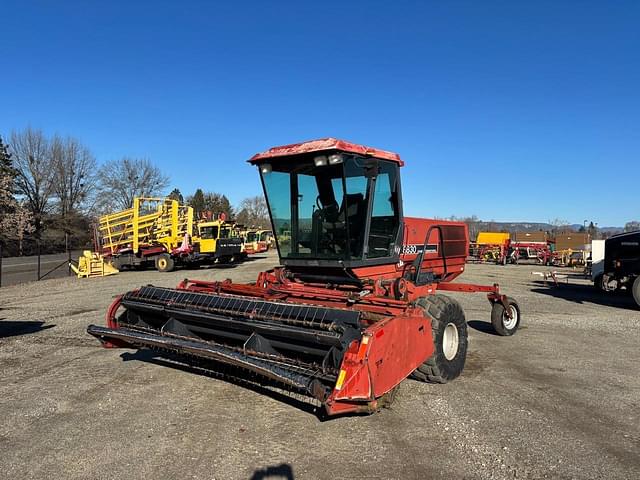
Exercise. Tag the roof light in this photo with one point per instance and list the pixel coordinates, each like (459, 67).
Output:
(335, 159)
(265, 168)
(320, 160)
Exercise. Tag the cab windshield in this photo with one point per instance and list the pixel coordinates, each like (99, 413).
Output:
(319, 206)
(209, 232)
(213, 232)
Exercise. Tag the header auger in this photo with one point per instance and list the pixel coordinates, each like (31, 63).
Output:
(355, 306)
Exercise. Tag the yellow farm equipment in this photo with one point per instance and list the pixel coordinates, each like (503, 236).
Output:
(218, 237)
(492, 238)
(257, 241)
(491, 247)
(161, 232)
(151, 221)
(92, 264)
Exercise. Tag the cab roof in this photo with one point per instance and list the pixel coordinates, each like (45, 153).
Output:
(323, 145)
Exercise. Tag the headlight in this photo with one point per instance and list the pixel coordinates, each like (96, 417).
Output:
(265, 168)
(335, 159)
(320, 160)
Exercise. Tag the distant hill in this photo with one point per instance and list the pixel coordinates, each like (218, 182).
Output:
(609, 230)
(512, 227)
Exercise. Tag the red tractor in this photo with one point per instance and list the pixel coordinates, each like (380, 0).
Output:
(355, 306)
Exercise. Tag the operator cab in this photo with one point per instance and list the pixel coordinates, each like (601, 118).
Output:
(214, 230)
(251, 237)
(332, 203)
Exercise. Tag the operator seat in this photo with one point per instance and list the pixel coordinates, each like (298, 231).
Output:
(333, 221)
(354, 210)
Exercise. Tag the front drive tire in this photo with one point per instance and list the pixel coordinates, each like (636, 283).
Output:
(502, 324)
(164, 263)
(449, 331)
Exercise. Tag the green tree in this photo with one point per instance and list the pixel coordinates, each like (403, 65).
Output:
(6, 164)
(217, 203)
(197, 202)
(176, 195)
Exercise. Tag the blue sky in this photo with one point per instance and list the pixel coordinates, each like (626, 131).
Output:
(506, 110)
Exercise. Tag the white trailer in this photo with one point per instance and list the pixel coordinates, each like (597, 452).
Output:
(597, 259)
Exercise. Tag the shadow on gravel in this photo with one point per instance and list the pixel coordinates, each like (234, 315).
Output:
(587, 294)
(253, 258)
(9, 328)
(484, 327)
(277, 472)
(229, 374)
(217, 266)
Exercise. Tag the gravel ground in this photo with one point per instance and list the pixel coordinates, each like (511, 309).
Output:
(558, 400)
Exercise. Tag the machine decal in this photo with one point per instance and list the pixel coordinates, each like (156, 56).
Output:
(416, 249)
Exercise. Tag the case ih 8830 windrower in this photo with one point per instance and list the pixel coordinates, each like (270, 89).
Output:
(354, 307)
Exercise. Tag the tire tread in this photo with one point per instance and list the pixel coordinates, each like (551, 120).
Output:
(435, 306)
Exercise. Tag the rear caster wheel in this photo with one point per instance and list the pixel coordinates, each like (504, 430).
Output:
(504, 324)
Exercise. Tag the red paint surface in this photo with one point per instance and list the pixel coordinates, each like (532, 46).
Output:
(324, 144)
(387, 360)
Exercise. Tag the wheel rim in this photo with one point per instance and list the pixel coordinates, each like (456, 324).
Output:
(510, 323)
(450, 341)
(162, 263)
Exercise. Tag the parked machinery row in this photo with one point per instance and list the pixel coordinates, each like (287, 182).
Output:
(502, 248)
(162, 233)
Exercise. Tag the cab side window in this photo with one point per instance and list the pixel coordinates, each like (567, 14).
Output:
(384, 215)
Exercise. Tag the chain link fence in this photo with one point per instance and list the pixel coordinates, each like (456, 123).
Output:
(38, 258)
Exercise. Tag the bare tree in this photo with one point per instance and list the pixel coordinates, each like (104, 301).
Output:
(559, 225)
(473, 223)
(32, 162)
(632, 226)
(74, 174)
(253, 212)
(120, 181)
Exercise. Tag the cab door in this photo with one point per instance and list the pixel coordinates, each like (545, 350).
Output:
(208, 238)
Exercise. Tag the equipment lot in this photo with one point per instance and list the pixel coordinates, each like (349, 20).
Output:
(560, 399)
